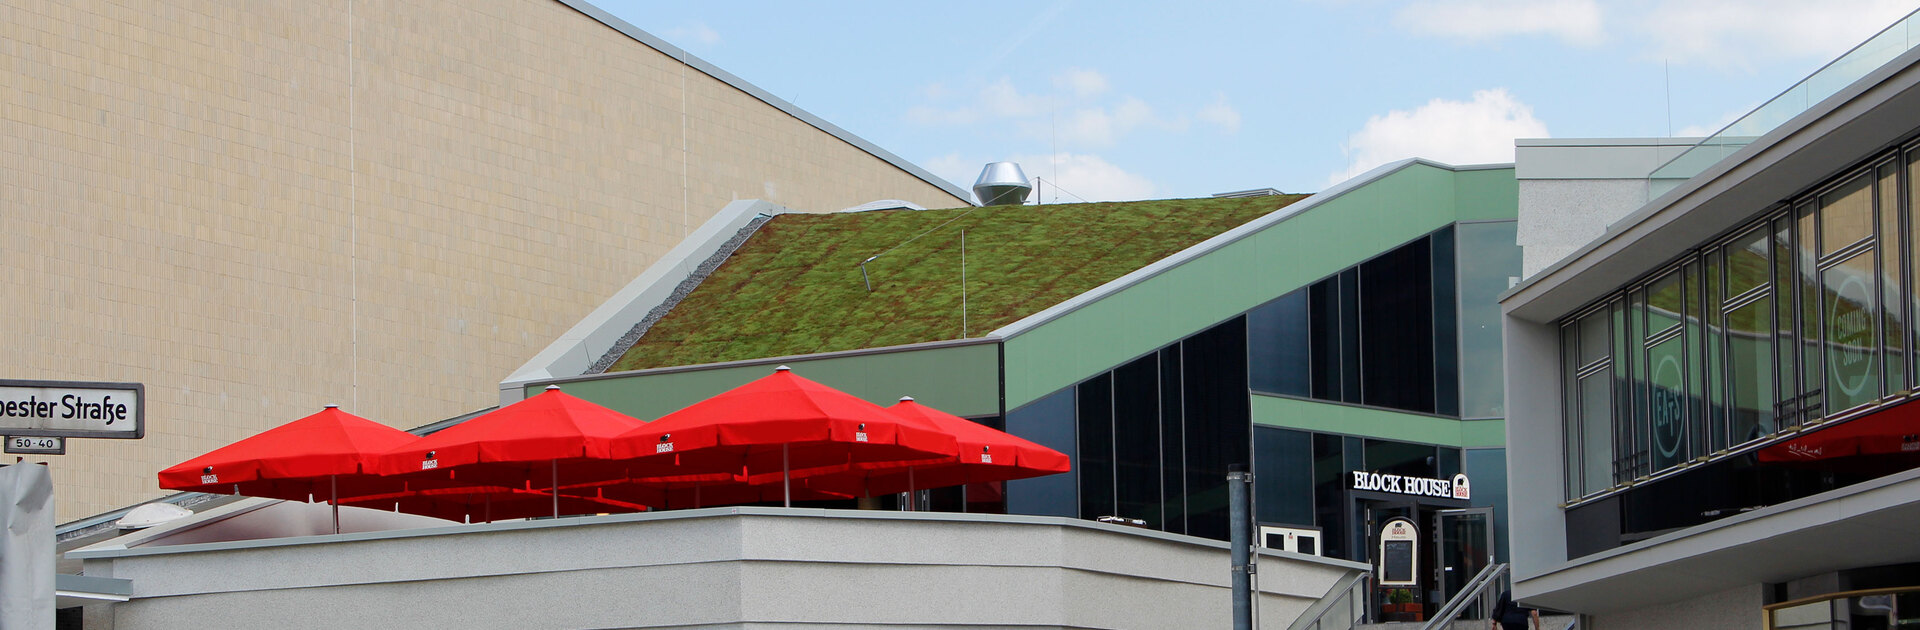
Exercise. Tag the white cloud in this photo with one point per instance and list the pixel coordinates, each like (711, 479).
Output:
(1576, 22)
(1062, 177)
(1221, 113)
(1729, 32)
(1478, 131)
(1081, 83)
(695, 32)
(1004, 100)
(1097, 126)
(1075, 177)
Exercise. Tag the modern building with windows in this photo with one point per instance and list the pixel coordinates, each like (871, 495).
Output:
(1709, 402)
(259, 208)
(1345, 345)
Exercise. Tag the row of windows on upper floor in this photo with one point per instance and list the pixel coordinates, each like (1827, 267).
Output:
(1804, 316)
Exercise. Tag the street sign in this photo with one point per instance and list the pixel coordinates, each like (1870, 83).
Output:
(72, 409)
(31, 445)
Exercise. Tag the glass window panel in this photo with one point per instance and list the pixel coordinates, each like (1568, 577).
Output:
(1173, 429)
(1396, 329)
(1849, 305)
(1912, 254)
(1666, 303)
(1750, 371)
(1747, 265)
(1401, 458)
(1807, 277)
(1445, 326)
(1625, 391)
(1136, 440)
(1278, 334)
(1323, 303)
(1668, 408)
(1596, 439)
(1786, 322)
(1283, 476)
(1593, 337)
(1489, 264)
(1094, 407)
(1570, 404)
(1330, 475)
(1846, 214)
(1049, 422)
(1893, 336)
(1487, 467)
(1350, 365)
(1697, 407)
(1214, 399)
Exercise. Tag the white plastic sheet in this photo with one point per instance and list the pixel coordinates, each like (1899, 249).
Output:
(26, 548)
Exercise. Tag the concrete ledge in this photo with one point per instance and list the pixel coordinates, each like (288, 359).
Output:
(590, 339)
(718, 567)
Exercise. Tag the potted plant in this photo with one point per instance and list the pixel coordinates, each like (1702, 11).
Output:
(1399, 602)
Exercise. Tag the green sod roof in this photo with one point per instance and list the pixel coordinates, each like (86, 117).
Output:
(796, 287)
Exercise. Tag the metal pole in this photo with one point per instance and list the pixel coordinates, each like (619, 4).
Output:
(1240, 537)
(333, 486)
(786, 479)
(556, 488)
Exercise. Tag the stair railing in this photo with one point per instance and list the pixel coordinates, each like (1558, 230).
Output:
(1343, 605)
(1471, 594)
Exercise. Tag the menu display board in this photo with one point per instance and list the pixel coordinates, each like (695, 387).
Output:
(1398, 563)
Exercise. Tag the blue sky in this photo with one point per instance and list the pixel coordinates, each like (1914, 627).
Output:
(1130, 100)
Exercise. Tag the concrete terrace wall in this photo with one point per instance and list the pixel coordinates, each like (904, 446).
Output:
(258, 208)
(714, 568)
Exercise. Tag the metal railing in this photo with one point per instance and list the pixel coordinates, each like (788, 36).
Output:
(1474, 596)
(1344, 606)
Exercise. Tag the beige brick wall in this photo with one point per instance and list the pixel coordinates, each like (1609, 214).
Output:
(221, 201)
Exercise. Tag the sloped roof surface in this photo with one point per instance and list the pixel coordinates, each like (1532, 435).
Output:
(796, 286)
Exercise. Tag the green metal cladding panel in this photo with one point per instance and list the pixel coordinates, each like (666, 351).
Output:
(961, 380)
(1306, 247)
(1293, 413)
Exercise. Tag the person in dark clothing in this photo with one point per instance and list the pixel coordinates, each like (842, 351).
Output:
(1510, 616)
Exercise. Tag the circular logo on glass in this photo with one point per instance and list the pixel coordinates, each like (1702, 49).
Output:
(1669, 406)
(1850, 335)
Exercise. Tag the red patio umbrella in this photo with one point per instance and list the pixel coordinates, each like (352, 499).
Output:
(489, 503)
(328, 454)
(780, 426)
(1894, 431)
(986, 455)
(553, 440)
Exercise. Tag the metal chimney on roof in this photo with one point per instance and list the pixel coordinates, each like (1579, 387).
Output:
(1002, 183)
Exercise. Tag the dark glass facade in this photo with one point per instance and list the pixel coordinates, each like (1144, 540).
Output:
(1384, 333)
(1722, 383)
(1152, 438)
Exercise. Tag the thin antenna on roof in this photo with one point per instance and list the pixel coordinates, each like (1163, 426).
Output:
(1667, 69)
(963, 283)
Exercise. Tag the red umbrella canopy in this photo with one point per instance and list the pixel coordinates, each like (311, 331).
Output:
(986, 455)
(297, 460)
(1893, 431)
(516, 444)
(780, 422)
(480, 504)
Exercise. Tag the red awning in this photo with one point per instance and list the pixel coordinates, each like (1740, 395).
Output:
(301, 460)
(986, 455)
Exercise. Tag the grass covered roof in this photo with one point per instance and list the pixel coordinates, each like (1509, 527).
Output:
(796, 287)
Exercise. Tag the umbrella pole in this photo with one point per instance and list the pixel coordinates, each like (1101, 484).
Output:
(786, 478)
(333, 488)
(556, 488)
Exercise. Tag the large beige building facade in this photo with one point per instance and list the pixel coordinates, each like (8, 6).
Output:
(258, 208)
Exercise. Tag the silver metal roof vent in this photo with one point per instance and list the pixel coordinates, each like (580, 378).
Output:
(1002, 183)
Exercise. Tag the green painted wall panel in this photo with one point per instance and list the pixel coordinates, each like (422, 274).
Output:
(961, 380)
(1313, 416)
(1293, 253)
(1487, 195)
